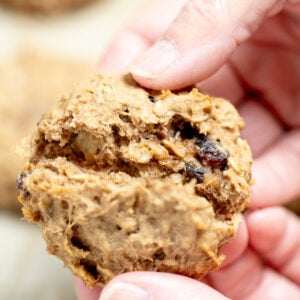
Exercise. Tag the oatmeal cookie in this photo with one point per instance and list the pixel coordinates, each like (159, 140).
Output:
(29, 83)
(121, 178)
(45, 6)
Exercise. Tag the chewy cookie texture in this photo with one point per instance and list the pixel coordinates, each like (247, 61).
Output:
(121, 178)
(45, 6)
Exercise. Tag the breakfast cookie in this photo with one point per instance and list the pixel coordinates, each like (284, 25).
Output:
(45, 6)
(29, 83)
(121, 178)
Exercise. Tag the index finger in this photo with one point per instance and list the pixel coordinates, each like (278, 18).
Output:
(139, 33)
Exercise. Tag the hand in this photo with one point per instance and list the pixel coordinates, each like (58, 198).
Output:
(274, 236)
(215, 45)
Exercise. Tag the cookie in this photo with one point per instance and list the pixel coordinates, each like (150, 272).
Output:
(45, 6)
(29, 83)
(122, 179)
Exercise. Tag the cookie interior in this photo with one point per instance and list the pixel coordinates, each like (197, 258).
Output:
(115, 167)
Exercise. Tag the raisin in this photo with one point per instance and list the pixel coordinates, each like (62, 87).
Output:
(159, 254)
(207, 150)
(20, 182)
(151, 98)
(191, 171)
(209, 153)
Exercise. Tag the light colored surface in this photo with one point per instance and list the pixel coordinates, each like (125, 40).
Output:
(26, 270)
(85, 32)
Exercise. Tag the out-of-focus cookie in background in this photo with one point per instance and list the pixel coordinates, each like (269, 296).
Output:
(41, 57)
(45, 6)
(29, 83)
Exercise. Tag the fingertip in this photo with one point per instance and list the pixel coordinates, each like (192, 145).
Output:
(272, 185)
(124, 291)
(234, 249)
(84, 292)
(149, 68)
(126, 45)
(166, 66)
(274, 234)
(238, 278)
(265, 220)
(267, 227)
(158, 286)
(261, 222)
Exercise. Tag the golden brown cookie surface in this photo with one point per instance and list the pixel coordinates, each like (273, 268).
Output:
(125, 179)
(45, 6)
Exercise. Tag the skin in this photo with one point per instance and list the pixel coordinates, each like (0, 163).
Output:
(248, 52)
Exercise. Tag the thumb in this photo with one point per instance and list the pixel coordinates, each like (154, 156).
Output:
(157, 286)
(199, 41)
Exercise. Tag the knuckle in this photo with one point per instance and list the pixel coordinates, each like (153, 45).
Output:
(207, 14)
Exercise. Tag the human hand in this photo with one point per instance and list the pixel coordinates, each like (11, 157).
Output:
(208, 43)
(268, 269)
(259, 72)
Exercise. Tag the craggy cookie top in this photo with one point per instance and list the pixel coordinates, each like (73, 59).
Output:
(123, 179)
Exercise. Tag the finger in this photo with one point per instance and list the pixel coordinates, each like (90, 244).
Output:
(274, 233)
(256, 117)
(273, 286)
(232, 251)
(276, 172)
(83, 292)
(199, 41)
(157, 286)
(263, 66)
(237, 246)
(224, 83)
(238, 279)
(247, 279)
(139, 33)
(126, 45)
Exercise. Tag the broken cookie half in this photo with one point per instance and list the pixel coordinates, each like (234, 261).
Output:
(122, 179)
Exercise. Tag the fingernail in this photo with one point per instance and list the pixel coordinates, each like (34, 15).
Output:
(124, 291)
(155, 60)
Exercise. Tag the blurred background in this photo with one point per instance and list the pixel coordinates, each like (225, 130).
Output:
(45, 47)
